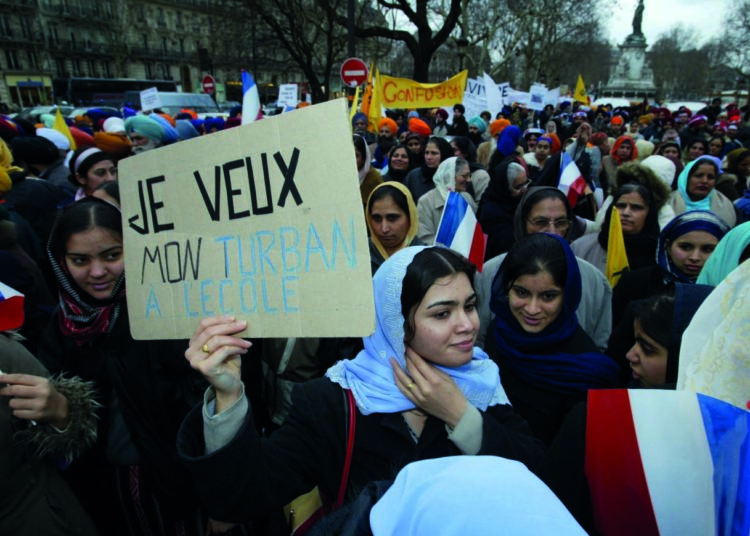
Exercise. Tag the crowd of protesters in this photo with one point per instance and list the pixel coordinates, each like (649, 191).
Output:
(475, 385)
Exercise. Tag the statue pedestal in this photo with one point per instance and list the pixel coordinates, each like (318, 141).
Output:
(632, 78)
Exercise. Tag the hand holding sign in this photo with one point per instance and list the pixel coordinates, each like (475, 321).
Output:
(216, 353)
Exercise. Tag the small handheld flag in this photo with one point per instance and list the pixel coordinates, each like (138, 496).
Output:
(617, 257)
(580, 94)
(459, 230)
(61, 126)
(250, 99)
(572, 183)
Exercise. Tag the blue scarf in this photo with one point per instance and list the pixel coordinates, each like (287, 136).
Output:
(687, 222)
(369, 375)
(682, 183)
(568, 374)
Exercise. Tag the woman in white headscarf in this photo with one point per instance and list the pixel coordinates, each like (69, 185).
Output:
(422, 390)
(452, 176)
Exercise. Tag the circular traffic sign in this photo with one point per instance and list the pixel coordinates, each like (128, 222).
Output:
(354, 72)
(209, 84)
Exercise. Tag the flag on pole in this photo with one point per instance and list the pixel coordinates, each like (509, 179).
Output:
(375, 113)
(667, 462)
(367, 93)
(355, 104)
(250, 99)
(459, 230)
(580, 94)
(617, 257)
(62, 127)
(572, 183)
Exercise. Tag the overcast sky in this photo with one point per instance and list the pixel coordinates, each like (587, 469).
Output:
(705, 17)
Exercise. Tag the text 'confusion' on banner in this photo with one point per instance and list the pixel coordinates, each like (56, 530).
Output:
(262, 222)
(404, 93)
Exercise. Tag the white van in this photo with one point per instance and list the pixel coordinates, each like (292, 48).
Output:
(172, 103)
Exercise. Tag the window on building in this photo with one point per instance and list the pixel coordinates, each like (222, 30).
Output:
(179, 19)
(11, 59)
(107, 68)
(164, 45)
(149, 71)
(91, 66)
(160, 19)
(141, 12)
(33, 60)
(5, 26)
(145, 41)
(182, 46)
(164, 71)
(53, 37)
(72, 40)
(78, 68)
(60, 67)
(25, 27)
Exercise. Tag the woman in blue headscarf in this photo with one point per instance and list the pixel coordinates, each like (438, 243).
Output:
(685, 245)
(547, 362)
(733, 250)
(421, 388)
(696, 190)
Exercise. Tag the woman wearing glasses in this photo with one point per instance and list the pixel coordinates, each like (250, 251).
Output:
(451, 176)
(508, 182)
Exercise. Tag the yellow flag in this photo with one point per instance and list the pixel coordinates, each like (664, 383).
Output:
(580, 94)
(375, 113)
(617, 258)
(367, 94)
(61, 126)
(355, 105)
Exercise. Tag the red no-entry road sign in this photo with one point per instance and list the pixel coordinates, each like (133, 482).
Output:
(209, 84)
(354, 72)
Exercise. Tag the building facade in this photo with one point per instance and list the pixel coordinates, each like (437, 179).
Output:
(43, 40)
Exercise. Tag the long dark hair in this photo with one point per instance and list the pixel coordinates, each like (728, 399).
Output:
(534, 254)
(88, 213)
(427, 267)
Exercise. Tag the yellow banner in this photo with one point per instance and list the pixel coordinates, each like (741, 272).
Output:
(405, 93)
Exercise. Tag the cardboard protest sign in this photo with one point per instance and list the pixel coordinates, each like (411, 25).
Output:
(405, 93)
(537, 95)
(263, 222)
(150, 99)
(288, 95)
(474, 100)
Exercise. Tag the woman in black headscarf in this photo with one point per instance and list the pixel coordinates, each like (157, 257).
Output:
(419, 180)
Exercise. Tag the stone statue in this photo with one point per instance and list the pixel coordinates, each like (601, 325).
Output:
(638, 19)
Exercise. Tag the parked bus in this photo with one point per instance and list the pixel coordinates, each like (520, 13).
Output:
(103, 91)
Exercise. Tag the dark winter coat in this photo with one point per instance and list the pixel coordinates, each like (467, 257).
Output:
(250, 476)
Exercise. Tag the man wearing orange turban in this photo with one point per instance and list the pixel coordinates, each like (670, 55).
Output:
(117, 145)
(420, 127)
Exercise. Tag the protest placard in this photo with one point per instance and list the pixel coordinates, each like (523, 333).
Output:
(288, 95)
(263, 222)
(150, 99)
(405, 93)
(537, 95)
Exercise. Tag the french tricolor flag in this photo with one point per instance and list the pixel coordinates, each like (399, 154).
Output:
(571, 181)
(11, 308)
(667, 462)
(250, 99)
(459, 230)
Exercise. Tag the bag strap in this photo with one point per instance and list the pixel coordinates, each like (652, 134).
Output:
(350, 428)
